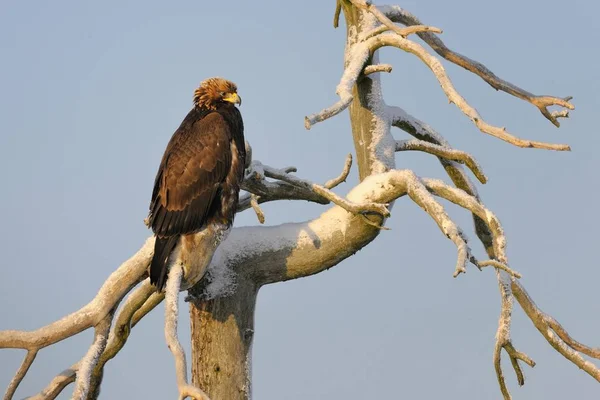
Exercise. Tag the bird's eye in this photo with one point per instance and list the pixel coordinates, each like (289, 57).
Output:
(222, 94)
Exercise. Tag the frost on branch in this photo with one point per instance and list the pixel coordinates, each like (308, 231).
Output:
(358, 53)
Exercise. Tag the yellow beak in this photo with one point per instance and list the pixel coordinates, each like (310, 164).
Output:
(233, 98)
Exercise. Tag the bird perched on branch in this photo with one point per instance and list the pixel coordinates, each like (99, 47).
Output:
(197, 185)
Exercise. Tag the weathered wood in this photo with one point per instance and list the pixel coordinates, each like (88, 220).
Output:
(222, 332)
(361, 113)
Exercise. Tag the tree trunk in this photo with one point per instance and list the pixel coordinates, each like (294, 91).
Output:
(222, 330)
(362, 118)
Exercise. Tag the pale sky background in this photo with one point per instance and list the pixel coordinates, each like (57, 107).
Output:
(90, 93)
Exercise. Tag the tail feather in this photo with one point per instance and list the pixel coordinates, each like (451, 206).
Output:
(159, 267)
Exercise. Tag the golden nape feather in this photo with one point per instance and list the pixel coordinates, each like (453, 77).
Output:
(211, 91)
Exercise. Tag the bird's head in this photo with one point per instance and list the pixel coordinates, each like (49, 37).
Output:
(215, 91)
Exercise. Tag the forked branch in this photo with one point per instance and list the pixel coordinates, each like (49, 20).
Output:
(398, 14)
(358, 54)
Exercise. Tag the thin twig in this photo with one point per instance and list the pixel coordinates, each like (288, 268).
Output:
(371, 69)
(329, 195)
(336, 14)
(259, 212)
(330, 184)
(498, 265)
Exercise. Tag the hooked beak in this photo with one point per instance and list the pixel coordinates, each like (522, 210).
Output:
(233, 98)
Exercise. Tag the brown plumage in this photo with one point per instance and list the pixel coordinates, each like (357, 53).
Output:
(199, 177)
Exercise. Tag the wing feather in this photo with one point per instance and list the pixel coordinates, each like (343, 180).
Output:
(195, 164)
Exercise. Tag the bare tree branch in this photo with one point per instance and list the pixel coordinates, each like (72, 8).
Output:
(356, 208)
(500, 266)
(330, 184)
(336, 14)
(404, 32)
(110, 294)
(259, 212)
(262, 191)
(90, 360)
(444, 152)
(57, 385)
(371, 69)
(171, 314)
(561, 342)
(397, 14)
(140, 302)
(22, 371)
(255, 183)
(359, 55)
(453, 96)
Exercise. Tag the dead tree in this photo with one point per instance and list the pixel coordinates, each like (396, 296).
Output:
(223, 302)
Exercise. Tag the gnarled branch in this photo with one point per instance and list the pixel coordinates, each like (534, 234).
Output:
(398, 14)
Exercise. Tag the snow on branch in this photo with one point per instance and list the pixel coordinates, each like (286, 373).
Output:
(397, 14)
(404, 32)
(355, 208)
(90, 360)
(255, 183)
(286, 188)
(357, 55)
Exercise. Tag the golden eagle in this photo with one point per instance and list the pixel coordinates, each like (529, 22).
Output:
(198, 181)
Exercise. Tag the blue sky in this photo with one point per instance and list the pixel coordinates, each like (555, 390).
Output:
(90, 93)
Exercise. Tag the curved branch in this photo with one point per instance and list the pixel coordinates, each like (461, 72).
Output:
(110, 294)
(397, 14)
(438, 70)
(443, 152)
(289, 251)
(139, 303)
(356, 208)
(371, 69)
(330, 184)
(555, 334)
(403, 32)
(171, 314)
(22, 371)
(262, 191)
(90, 360)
